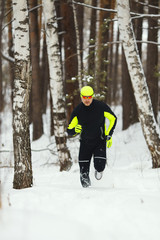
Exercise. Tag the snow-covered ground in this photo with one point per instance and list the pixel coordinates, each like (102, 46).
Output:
(124, 205)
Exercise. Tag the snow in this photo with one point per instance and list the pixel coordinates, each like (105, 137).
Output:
(124, 204)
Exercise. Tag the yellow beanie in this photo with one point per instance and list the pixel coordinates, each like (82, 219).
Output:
(87, 91)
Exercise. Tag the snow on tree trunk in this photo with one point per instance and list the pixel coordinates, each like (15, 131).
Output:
(21, 92)
(56, 84)
(144, 106)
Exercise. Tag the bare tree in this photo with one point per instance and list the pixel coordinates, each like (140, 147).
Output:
(115, 72)
(141, 92)
(138, 23)
(70, 56)
(104, 54)
(130, 114)
(22, 87)
(80, 22)
(78, 46)
(36, 80)
(152, 57)
(92, 40)
(102, 51)
(128, 99)
(44, 74)
(10, 45)
(56, 84)
(1, 21)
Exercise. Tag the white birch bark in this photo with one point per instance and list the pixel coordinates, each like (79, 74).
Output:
(22, 86)
(56, 84)
(141, 92)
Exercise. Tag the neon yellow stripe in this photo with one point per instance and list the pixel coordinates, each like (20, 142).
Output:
(73, 123)
(111, 119)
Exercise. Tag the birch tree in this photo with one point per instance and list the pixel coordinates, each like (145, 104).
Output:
(56, 84)
(92, 50)
(21, 92)
(144, 106)
(1, 21)
(10, 46)
(78, 47)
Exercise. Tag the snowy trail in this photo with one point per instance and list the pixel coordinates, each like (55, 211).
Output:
(125, 204)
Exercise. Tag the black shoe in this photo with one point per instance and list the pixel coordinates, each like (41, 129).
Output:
(85, 180)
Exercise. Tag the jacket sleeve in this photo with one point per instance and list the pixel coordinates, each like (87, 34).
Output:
(112, 121)
(71, 127)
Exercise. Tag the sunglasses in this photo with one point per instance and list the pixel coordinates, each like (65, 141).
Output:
(86, 97)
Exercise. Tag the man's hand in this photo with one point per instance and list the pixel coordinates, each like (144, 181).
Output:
(109, 141)
(78, 128)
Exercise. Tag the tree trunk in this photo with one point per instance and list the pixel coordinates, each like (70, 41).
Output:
(1, 21)
(78, 47)
(22, 87)
(138, 23)
(102, 52)
(44, 75)
(141, 92)
(128, 99)
(92, 42)
(80, 21)
(130, 114)
(56, 84)
(10, 46)
(115, 75)
(70, 57)
(36, 80)
(152, 57)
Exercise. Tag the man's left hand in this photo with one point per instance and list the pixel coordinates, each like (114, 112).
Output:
(109, 141)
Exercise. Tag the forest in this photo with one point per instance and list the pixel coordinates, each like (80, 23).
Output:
(50, 49)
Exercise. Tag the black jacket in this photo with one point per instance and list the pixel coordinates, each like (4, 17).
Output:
(92, 120)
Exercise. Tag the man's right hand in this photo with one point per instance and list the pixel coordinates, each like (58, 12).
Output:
(78, 128)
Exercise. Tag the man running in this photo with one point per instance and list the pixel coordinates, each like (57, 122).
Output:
(88, 120)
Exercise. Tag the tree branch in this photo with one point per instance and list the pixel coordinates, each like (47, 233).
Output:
(146, 15)
(115, 11)
(7, 24)
(7, 58)
(32, 9)
(97, 8)
(120, 42)
(148, 5)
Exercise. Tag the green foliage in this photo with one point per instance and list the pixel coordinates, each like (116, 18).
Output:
(105, 25)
